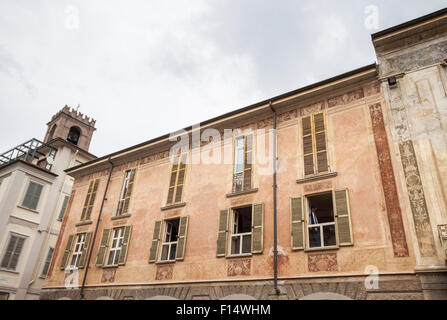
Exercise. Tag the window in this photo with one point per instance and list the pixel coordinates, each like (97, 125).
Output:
(170, 238)
(47, 263)
(241, 231)
(73, 135)
(89, 200)
(314, 144)
(321, 221)
(177, 179)
(32, 195)
(63, 208)
(115, 247)
(242, 163)
(77, 251)
(12, 252)
(126, 192)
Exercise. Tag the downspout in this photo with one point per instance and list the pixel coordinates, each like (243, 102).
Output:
(96, 230)
(275, 186)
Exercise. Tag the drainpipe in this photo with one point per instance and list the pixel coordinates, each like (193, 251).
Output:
(96, 230)
(275, 186)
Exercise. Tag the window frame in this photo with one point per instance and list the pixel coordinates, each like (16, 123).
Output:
(116, 249)
(244, 157)
(163, 243)
(5, 249)
(22, 205)
(319, 225)
(123, 192)
(78, 252)
(232, 234)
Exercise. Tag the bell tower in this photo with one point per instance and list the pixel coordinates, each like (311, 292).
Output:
(73, 126)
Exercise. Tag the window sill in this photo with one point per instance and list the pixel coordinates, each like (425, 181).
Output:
(166, 262)
(28, 209)
(238, 193)
(112, 266)
(321, 249)
(123, 216)
(319, 177)
(83, 223)
(9, 270)
(172, 206)
(244, 255)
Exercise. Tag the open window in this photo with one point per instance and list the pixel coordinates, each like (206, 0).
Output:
(321, 221)
(170, 240)
(243, 161)
(241, 231)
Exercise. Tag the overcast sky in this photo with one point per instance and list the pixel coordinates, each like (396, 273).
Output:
(146, 68)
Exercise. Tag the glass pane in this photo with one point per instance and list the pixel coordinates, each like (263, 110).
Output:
(173, 251)
(235, 245)
(111, 257)
(240, 142)
(314, 237)
(239, 166)
(117, 256)
(246, 244)
(164, 252)
(329, 235)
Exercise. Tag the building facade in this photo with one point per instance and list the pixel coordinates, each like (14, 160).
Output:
(356, 194)
(34, 192)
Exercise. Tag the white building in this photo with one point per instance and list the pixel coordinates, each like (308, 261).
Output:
(34, 194)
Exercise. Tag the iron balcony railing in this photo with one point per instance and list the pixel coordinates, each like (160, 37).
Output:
(29, 151)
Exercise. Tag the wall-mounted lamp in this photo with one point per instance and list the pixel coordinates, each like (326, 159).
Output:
(392, 82)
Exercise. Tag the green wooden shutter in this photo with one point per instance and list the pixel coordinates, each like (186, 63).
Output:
(181, 244)
(100, 257)
(320, 143)
(36, 196)
(306, 124)
(67, 252)
(125, 246)
(155, 241)
(63, 208)
(343, 217)
(248, 161)
(85, 248)
(257, 238)
(297, 223)
(29, 195)
(222, 233)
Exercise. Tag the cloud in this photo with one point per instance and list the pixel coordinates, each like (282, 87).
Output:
(152, 67)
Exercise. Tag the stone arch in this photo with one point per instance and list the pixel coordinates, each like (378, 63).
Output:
(51, 133)
(74, 134)
(104, 298)
(325, 296)
(161, 298)
(238, 296)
